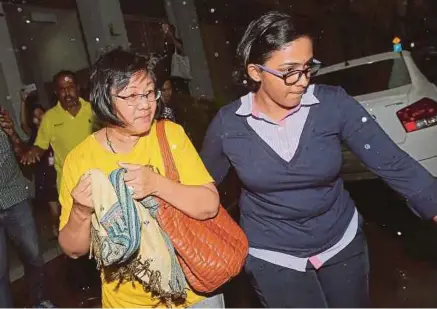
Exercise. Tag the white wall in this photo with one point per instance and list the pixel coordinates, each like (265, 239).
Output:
(48, 46)
(9, 67)
(60, 46)
(97, 16)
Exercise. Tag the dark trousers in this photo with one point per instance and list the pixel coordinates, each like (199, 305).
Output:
(82, 273)
(341, 282)
(18, 224)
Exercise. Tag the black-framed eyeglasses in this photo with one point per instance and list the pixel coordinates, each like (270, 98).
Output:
(290, 78)
(136, 98)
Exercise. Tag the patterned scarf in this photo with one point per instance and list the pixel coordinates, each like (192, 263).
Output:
(127, 239)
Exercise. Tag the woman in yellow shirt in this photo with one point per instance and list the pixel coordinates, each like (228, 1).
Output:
(124, 97)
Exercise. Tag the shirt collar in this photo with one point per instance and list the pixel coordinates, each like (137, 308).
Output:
(246, 107)
(59, 107)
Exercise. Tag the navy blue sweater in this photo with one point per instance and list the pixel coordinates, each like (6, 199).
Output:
(301, 207)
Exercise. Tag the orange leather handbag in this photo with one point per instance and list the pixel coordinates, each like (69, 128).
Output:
(211, 252)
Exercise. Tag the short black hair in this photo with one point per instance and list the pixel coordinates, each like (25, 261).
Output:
(160, 83)
(64, 73)
(264, 35)
(112, 73)
(32, 98)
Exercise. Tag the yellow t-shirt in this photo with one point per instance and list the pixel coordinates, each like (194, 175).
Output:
(63, 132)
(91, 155)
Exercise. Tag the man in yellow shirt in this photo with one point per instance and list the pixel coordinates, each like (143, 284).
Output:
(64, 126)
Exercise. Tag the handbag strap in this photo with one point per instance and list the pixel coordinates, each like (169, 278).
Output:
(169, 164)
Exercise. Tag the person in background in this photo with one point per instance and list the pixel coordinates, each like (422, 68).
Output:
(167, 111)
(190, 113)
(125, 99)
(64, 126)
(44, 173)
(284, 137)
(172, 45)
(16, 219)
(30, 119)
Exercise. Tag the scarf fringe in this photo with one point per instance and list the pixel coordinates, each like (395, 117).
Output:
(135, 271)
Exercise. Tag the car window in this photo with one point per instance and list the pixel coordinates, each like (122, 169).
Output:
(368, 78)
(427, 64)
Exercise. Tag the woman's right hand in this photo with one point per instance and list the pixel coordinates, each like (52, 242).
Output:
(82, 194)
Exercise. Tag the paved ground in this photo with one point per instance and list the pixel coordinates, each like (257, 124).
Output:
(403, 254)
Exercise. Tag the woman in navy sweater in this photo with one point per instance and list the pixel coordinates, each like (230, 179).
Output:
(307, 247)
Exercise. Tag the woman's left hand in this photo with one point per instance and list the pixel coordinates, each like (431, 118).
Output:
(142, 180)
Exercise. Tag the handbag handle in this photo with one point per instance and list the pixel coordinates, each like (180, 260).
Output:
(169, 164)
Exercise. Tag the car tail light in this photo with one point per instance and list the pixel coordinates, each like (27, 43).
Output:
(418, 116)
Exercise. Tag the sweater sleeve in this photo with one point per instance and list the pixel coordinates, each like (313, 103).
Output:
(369, 142)
(212, 152)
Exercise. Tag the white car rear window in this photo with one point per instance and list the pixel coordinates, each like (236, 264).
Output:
(368, 78)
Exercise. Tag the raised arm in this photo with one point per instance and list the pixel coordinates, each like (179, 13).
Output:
(172, 36)
(7, 125)
(23, 115)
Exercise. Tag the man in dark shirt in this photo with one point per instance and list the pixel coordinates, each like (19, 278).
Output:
(16, 219)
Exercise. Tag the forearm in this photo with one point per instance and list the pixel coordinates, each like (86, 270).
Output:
(176, 43)
(75, 237)
(374, 147)
(38, 151)
(23, 118)
(198, 202)
(178, 46)
(424, 202)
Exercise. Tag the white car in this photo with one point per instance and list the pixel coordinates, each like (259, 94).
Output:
(398, 96)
